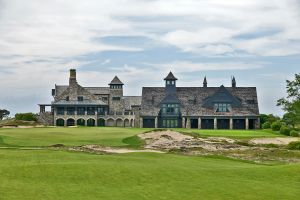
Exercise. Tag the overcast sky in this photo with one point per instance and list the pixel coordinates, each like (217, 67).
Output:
(257, 41)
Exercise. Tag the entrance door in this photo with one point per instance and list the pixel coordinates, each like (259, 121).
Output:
(223, 124)
(207, 124)
(149, 123)
(194, 123)
(239, 124)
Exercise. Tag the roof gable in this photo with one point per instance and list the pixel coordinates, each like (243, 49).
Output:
(170, 77)
(222, 95)
(116, 81)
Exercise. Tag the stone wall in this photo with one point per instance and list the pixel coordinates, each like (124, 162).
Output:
(46, 118)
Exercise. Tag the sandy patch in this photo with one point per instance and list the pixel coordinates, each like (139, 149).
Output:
(97, 148)
(174, 140)
(278, 141)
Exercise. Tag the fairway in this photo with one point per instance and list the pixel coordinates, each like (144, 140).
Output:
(62, 174)
(67, 136)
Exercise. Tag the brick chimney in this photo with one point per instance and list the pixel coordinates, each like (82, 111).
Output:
(72, 79)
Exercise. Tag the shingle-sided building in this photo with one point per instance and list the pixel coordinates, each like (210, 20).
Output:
(159, 107)
(91, 106)
(199, 107)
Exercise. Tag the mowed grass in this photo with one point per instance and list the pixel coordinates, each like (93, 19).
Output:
(233, 133)
(107, 136)
(45, 174)
(60, 174)
(67, 136)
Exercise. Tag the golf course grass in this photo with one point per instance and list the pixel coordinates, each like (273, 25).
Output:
(61, 174)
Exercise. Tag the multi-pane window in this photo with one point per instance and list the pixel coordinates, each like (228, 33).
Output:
(222, 107)
(170, 123)
(80, 98)
(70, 110)
(116, 86)
(101, 110)
(60, 111)
(81, 111)
(170, 82)
(170, 109)
(116, 98)
(90, 110)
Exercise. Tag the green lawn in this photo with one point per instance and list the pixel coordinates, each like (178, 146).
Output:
(233, 133)
(105, 135)
(44, 174)
(59, 174)
(67, 136)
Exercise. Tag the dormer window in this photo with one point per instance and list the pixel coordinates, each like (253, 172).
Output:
(222, 107)
(80, 98)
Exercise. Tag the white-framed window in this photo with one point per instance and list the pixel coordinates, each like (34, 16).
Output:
(222, 107)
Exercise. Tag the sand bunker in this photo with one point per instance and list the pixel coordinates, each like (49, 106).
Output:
(277, 141)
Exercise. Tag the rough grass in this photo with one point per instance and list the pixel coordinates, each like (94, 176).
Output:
(44, 174)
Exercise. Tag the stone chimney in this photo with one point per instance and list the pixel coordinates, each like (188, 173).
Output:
(72, 79)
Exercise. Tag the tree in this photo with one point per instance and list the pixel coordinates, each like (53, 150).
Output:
(291, 104)
(4, 113)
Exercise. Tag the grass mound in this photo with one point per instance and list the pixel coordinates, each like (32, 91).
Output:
(134, 142)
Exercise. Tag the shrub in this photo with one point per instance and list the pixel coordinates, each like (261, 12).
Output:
(285, 130)
(294, 133)
(266, 125)
(26, 116)
(294, 145)
(276, 126)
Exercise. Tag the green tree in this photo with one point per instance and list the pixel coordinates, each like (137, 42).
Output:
(4, 113)
(291, 104)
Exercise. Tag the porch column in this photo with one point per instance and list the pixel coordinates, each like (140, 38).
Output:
(156, 122)
(188, 123)
(215, 123)
(257, 124)
(183, 122)
(247, 123)
(75, 121)
(199, 123)
(141, 122)
(231, 123)
(96, 116)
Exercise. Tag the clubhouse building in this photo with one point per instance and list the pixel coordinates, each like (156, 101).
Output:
(158, 107)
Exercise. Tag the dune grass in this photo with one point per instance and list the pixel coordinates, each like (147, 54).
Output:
(45, 174)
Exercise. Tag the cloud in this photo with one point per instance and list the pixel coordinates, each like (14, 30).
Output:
(187, 66)
(41, 39)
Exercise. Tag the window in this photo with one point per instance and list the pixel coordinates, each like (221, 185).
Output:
(90, 110)
(80, 98)
(222, 107)
(67, 98)
(104, 98)
(80, 111)
(170, 109)
(116, 86)
(60, 110)
(70, 110)
(170, 123)
(116, 98)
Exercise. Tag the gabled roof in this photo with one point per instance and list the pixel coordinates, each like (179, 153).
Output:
(170, 98)
(192, 100)
(116, 81)
(222, 95)
(170, 77)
